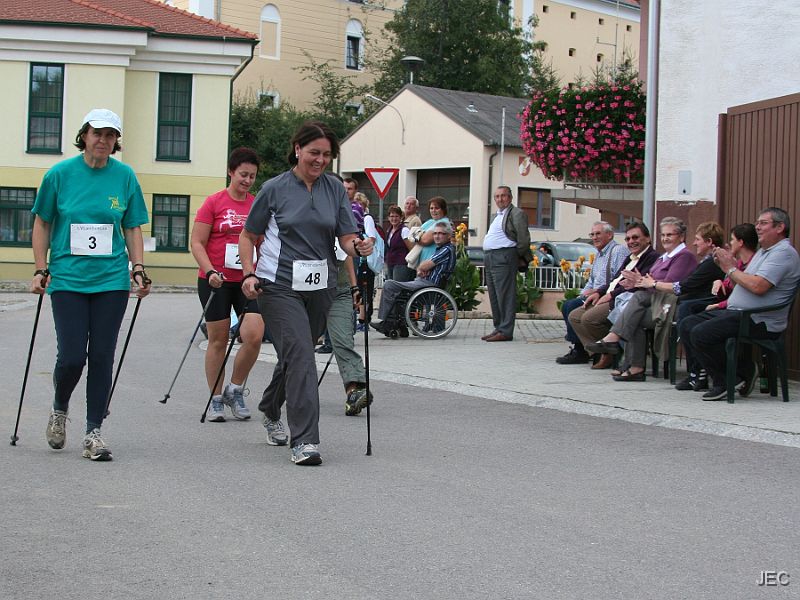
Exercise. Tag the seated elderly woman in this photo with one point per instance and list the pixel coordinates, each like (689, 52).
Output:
(676, 273)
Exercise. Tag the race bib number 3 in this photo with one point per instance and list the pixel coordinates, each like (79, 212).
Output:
(309, 275)
(91, 240)
(232, 260)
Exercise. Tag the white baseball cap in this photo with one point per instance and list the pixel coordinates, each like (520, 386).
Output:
(102, 117)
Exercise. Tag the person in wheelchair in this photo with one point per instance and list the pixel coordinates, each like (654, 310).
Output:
(431, 272)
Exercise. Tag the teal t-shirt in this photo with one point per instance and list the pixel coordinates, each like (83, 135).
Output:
(87, 209)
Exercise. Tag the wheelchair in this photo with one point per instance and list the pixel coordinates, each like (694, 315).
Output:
(429, 313)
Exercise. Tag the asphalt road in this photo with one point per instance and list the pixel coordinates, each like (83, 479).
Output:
(463, 497)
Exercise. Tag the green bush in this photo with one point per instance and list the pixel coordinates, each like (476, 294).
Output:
(528, 292)
(464, 282)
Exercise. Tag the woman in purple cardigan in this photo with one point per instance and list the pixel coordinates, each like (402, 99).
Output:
(675, 264)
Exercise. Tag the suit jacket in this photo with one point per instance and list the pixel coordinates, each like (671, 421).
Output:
(643, 265)
(515, 226)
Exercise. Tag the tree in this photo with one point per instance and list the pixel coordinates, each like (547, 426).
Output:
(467, 45)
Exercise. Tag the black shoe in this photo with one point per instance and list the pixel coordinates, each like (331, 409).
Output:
(324, 349)
(687, 383)
(574, 357)
(357, 400)
(378, 326)
(701, 381)
(718, 392)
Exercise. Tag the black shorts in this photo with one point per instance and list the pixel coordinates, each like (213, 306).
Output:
(230, 295)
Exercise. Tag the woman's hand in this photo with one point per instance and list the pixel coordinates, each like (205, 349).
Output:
(215, 280)
(646, 282)
(712, 307)
(717, 287)
(39, 283)
(141, 282)
(250, 288)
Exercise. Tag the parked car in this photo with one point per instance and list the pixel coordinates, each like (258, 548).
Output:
(475, 254)
(551, 253)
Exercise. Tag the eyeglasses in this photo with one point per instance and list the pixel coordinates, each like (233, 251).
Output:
(631, 238)
(595, 234)
(670, 235)
(764, 223)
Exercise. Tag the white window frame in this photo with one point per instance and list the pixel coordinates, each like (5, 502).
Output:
(354, 30)
(276, 98)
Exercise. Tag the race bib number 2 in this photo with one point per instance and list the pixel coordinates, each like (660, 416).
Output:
(309, 275)
(232, 260)
(88, 239)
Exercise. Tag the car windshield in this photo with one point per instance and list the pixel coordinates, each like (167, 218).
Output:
(571, 252)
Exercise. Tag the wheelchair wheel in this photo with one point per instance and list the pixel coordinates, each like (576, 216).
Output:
(431, 313)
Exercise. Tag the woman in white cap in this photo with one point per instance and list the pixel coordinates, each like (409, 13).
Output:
(88, 215)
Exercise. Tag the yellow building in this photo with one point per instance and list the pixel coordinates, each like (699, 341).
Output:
(582, 35)
(167, 73)
(328, 30)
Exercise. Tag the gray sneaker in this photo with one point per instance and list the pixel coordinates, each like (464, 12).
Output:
(94, 447)
(57, 429)
(234, 399)
(216, 412)
(306, 454)
(276, 434)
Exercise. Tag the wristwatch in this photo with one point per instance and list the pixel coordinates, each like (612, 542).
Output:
(731, 270)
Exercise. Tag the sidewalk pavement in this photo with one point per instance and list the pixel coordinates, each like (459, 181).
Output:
(524, 371)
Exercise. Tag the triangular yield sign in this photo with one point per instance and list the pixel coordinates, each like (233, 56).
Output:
(382, 180)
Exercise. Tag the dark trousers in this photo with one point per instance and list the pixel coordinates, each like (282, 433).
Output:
(295, 321)
(401, 272)
(566, 308)
(500, 267)
(704, 336)
(87, 326)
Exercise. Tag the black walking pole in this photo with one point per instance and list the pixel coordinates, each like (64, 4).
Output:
(325, 370)
(14, 437)
(125, 347)
(366, 296)
(189, 347)
(224, 362)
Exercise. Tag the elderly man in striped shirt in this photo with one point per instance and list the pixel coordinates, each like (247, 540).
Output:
(609, 258)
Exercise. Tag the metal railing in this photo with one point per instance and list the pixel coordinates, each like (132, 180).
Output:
(549, 278)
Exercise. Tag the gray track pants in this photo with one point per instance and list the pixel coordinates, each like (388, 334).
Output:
(295, 320)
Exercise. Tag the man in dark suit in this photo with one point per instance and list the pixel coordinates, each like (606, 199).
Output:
(506, 251)
(590, 321)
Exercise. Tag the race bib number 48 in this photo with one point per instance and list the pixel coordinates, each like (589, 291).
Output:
(309, 275)
(88, 239)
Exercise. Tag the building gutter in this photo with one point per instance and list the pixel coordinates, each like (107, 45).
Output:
(489, 191)
(651, 118)
(230, 93)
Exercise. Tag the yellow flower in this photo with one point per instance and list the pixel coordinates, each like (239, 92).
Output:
(535, 262)
(565, 265)
(591, 258)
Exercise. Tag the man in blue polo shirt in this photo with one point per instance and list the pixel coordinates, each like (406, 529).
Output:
(433, 271)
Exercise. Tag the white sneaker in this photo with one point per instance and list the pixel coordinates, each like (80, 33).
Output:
(57, 429)
(276, 434)
(216, 412)
(234, 398)
(306, 454)
(94, 447)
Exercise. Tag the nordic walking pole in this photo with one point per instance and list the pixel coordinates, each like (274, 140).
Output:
(14, 437)
(325, 370)
(363, 279)
(222, 368)
(189, 347)
(147, 282)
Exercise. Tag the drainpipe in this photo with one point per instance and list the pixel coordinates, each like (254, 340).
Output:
(651, 118)
(230, 94)
(489, 190)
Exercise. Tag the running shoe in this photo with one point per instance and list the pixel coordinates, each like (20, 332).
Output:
(356, 401)
(216, 412)
(57, 429)
(94, 447)
(234, 398)
(276, 434)
(306, 454)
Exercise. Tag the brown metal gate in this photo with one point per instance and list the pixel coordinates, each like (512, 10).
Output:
(757, 166)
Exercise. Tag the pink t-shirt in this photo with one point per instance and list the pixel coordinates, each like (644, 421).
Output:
(226, 217)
